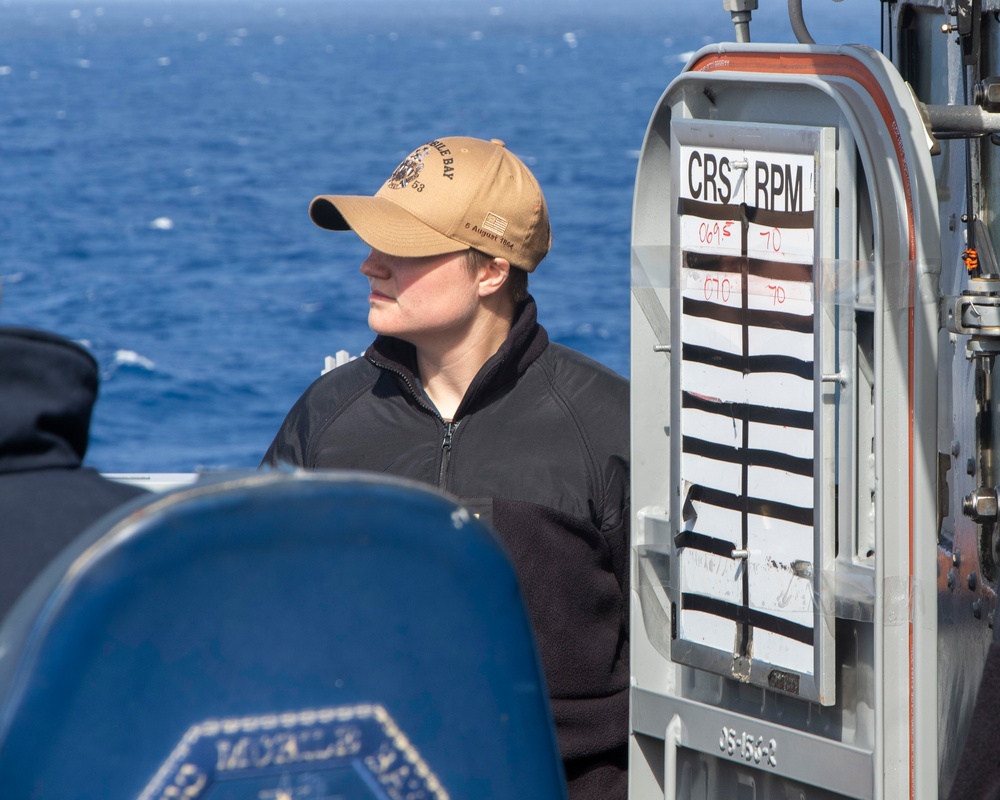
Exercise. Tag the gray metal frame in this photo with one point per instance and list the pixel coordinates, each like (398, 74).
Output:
(881, 733)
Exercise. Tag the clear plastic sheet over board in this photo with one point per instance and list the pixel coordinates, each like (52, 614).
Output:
(842, 299)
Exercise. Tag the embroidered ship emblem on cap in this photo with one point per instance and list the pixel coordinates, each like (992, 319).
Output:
(408, 170)
(494, 223)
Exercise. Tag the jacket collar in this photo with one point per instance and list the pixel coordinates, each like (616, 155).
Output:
(524, 344)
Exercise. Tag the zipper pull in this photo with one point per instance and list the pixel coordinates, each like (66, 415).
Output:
(449, 431)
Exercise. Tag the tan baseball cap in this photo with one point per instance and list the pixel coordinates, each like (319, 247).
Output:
(448, 195)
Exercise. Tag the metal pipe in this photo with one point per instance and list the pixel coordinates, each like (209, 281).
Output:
(741, 23)
(671, 741)
(740, 11)
(798, 22)
(962, 120)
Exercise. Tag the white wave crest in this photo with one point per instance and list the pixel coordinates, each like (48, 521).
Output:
(133, 359)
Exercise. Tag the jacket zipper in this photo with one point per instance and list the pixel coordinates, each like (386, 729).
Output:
(449, 426)
(449, 432)
(409, 386)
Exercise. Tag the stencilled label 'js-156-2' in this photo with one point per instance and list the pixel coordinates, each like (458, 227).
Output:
(748, 747)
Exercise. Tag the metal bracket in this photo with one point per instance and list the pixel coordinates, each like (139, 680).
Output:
(969, 13)
(976, 313)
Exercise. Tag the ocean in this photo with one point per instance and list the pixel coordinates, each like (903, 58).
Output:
(157, 160)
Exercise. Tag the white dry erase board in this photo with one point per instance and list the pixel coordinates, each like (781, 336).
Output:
(753, 220)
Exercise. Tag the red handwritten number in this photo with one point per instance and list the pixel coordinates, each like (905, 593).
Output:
(714, 288)
(772, 239)
(778, 294)
(711, 233)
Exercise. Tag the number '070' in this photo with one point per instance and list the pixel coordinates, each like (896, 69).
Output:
(716, 289)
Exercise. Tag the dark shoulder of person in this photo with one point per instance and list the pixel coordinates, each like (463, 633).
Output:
(316, 408)
(598, 394)
(45, 510)
(48, 387)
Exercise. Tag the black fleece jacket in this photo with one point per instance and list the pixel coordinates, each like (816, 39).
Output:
(48, 386)
(538, 447)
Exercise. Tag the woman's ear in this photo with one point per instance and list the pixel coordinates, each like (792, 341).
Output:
(493, 276)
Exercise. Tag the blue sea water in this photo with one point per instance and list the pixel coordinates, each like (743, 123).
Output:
(157, 160)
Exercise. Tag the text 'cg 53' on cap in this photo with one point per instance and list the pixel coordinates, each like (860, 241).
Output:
(448, 195)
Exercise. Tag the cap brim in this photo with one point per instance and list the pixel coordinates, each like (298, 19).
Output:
(382, 225)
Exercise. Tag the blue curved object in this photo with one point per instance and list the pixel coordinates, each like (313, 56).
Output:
(305, 635)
